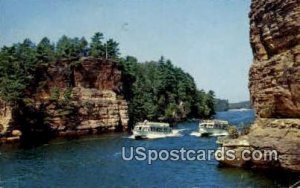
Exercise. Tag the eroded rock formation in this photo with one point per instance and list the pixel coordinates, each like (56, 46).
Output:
(275, 73)
(70, 97)
(274, 85)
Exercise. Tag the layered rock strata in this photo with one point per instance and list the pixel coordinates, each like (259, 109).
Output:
(274, 86)
(69, 97)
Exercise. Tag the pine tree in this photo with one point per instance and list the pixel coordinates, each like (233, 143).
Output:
(83, 46)
(97, 48)
(45, 51)
(112, 49)
(63, 47)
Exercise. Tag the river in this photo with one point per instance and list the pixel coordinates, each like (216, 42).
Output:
(97, 162)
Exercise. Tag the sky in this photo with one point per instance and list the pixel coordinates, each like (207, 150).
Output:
(207, 38)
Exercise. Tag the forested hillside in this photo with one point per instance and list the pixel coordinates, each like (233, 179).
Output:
(155, 90)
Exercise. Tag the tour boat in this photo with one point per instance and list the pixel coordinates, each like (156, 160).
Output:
(144, 130)
(213, 128)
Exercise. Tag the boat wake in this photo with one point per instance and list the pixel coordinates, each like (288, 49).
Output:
(219, 134)
(194, 133)
(197, 134)
(130, 137)
(175, 133)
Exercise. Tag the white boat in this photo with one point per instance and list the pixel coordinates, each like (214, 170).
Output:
(144, 130)
(213, 128)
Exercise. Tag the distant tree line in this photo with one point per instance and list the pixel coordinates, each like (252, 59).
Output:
(239, 105)
(224, 105)
(155, 90)
(221, 105)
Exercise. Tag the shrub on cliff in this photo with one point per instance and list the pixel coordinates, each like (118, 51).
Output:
(233, 132)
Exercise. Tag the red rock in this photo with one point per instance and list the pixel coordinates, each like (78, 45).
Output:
(95, 103)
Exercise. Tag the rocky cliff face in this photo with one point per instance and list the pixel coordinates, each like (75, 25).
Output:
(274, 85)
(70, 97)
(275, 73)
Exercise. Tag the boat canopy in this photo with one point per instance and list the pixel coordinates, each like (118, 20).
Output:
(213, 123)
(153, 124)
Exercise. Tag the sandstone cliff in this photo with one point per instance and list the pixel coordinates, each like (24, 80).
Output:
(275, 73)
(274, 84)
(69, 97)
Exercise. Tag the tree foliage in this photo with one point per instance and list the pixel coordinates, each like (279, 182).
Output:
(159, 90)
(221, 105)
(45, 51)
(112, 49)
(97, 47)
(18, 62)
(155, 90)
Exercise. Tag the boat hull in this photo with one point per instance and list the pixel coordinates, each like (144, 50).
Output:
(140, 135)
(212, 132)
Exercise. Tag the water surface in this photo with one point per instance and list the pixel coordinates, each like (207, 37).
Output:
(96, 162)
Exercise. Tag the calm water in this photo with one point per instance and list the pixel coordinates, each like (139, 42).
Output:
(97, 162)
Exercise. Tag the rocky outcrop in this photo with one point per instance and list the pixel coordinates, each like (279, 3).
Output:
(274, 86)
(275, 73)
(69, 98)
(90, 110)
(277, 139)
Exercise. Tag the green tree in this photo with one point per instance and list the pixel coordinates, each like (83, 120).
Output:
(26, 56)
(83, 46)
(210, 102)
(159, 90)
(71, 47)
(45, 51)
(112, 49)
(97, 47)
(64, 47)
(13, 79)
